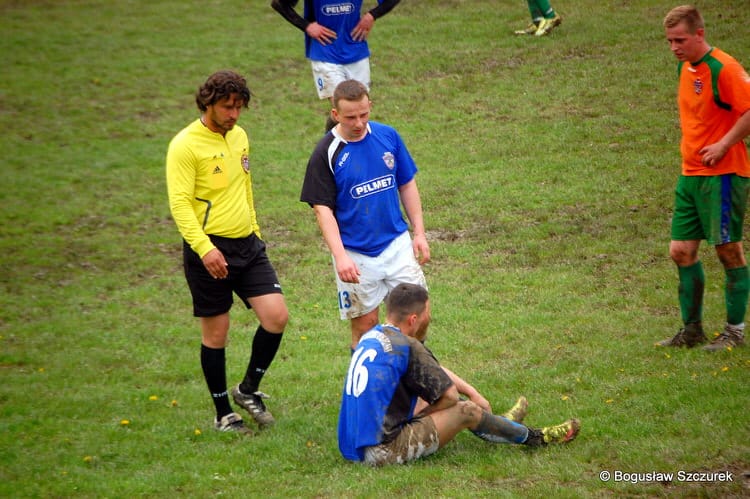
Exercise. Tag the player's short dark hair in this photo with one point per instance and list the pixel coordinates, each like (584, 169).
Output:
(219, 86)
(685, 13)
(406, 299)
(351, 90)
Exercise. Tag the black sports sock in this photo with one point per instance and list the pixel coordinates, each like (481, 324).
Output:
(213, 362)
(265, 346)
(535, 438)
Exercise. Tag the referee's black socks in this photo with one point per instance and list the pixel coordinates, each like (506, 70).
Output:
(265, 346)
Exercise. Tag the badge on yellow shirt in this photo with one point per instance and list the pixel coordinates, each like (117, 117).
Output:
(245, 162)
(219, 177)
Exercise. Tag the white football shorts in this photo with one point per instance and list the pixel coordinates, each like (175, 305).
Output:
(378, 275)
(328, 75)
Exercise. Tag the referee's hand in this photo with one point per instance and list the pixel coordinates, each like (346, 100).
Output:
(215, 264)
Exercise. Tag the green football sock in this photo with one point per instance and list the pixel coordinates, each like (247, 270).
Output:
(690, 292)
(545, 8)
(736, 293)
(536, 13)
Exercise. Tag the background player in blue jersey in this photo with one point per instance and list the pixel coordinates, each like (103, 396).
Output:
(391, 370)
(335, 39)
(357, 178)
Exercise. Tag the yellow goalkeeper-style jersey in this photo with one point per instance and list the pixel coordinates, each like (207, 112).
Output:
(209, 185)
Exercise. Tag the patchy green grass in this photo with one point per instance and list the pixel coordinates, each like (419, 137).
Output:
(546, 171)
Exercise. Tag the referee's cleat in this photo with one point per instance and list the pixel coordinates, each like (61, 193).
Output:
(547, 25)
(528, 30)
(518, 412)
(254, 405)
(232, 422)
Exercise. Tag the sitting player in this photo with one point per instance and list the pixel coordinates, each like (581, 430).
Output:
(382, 420)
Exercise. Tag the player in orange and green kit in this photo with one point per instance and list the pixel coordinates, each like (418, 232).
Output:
(712, 192)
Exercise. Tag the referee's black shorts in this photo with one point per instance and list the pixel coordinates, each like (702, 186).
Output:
(250, 274)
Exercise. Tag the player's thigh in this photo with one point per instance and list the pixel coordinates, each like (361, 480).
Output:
(727, 208)
(720, 202)
(400, 265)
(356, 300)
(258, 285)
(687, 224)
(731, 255)
(271, 311)
(210, 296)
(359, 71)
(684, 253)
(450, 421)
(327, 76)
(418, 438)
(214, 330)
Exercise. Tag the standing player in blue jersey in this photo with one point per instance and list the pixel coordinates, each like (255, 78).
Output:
(357, 178)
(335, 39)
(384, 418)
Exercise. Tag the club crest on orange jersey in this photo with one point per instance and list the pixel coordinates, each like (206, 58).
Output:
(389, 160)
(698, 86)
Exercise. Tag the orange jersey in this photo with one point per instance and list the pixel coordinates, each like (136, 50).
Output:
(712, 94)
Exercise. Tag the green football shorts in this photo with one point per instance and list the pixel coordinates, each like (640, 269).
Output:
(710, 208)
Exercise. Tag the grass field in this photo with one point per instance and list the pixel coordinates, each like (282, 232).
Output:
(546, 172)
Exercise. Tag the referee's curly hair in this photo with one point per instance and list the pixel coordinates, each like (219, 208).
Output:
(221, 85)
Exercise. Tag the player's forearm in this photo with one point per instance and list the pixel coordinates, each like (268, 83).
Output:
(180, 193)
(740, 131)
(413, 206)
(190, 229)
(462, 386)
(447, 400)
(383, 8)
(329, 227)
(286, 9)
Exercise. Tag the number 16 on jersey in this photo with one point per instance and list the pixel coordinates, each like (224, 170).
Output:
(356, 379)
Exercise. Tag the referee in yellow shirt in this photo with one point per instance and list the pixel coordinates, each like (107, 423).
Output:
(211, 200)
